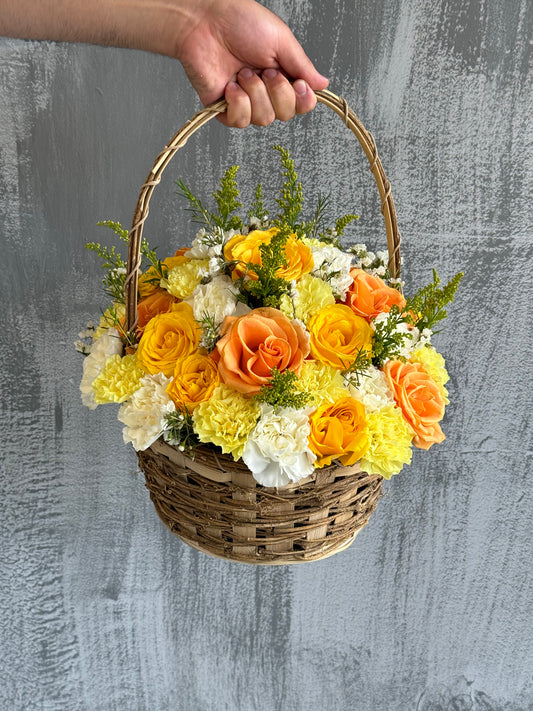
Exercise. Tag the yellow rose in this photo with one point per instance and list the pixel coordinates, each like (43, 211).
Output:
(244, 249)
(299, 259)
(339, 431)
(337, 335)
(195, 378)
(167, 338)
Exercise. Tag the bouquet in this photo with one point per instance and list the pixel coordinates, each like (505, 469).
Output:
(269, 342)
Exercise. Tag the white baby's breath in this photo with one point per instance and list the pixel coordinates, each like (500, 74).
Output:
(333, 265)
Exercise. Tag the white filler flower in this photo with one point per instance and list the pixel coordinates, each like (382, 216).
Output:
(106, 345)
(333, 266)
(277, 450)
(144, 414)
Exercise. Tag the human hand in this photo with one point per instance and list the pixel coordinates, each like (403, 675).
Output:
(239, 49)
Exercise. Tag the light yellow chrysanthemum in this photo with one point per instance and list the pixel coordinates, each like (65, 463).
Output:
(322, 382)
(116, 312)
(313, 294)
(118, 380)
(226, 419)
(390, 442)
(183, 279)
(434, 364)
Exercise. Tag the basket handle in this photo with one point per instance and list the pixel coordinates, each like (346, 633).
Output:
(140, 214)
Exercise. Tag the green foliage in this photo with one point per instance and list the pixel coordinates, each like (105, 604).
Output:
(281, 391)
(357, 369)
(180, 432)
(211, 331)
(115, 267)
(269, 288)
(427, 306)
(291, 200)
(388, 341)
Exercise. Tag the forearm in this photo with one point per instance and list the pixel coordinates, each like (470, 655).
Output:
(151, 25)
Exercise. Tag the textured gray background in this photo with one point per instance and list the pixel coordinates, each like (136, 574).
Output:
(430, 609)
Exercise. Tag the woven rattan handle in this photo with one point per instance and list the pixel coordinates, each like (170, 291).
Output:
(335, 103)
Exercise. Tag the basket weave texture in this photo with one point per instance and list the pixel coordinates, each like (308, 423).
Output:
(213, 503)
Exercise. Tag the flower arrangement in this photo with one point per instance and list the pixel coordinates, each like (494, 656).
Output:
(265, 339)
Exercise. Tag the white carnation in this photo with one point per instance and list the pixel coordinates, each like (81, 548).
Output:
(373, 390)
(144, 414)
(216, 299)
(277, 451)
(107, 345)
(333, 265)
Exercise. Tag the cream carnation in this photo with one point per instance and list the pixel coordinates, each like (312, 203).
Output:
(277, 451)
(107, 345)
(145, 412)
(373, 390)
(216, 299)
(183, 279)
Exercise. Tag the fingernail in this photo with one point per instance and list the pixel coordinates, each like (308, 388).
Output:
(270, 73)
(246, 73)
(300, 87)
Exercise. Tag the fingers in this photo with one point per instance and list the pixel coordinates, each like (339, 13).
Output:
(261, 99)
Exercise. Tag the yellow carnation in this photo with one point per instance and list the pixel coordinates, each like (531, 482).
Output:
(183, 279)
(313, 294)
(390, 442)
(226, 419)
(434, 364)
(149, 281)
(322, 382)
(118, 379)
(286, 306)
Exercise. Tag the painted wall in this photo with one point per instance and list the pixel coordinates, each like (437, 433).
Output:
(430, 609)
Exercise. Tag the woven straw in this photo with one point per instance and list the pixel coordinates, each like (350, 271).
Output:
(213, 503)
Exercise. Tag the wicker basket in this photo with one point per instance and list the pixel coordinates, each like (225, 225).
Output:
(213, 503)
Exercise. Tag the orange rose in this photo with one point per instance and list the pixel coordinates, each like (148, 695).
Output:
(369, 296)
(195, 378)
(339, 431)
(168, 337)
(253, 344)
(149, 281)
(244, 249)
(159, 302)
(420, 400)
(337, 335)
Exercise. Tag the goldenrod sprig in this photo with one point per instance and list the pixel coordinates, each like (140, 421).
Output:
(291, 200)
(427, 306)
(281, 391)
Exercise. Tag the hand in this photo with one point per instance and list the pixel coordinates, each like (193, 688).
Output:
(239, 49)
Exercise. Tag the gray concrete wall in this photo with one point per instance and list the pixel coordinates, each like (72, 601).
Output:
(431, 608)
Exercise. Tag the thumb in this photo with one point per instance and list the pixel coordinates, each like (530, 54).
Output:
(296, 64)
